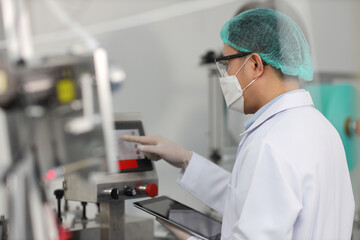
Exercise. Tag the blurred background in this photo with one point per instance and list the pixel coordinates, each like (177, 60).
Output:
(164, 48)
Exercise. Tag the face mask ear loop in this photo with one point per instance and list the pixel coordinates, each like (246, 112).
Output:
(242, 65)
(250, 84)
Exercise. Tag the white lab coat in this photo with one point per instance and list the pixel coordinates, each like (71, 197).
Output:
(290, 179)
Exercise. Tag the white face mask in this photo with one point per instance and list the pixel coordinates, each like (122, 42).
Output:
(232, 91)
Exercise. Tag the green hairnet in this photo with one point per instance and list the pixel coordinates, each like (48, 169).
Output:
(274, 36)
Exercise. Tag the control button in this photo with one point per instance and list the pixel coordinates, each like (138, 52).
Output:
(151, 190)
(130, 191)
(112, 193)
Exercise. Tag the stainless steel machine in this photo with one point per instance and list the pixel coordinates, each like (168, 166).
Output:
(136, 178)
(57, 121)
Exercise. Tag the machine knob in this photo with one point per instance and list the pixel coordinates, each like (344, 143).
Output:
(59, 193)
(151, 189)
(112, 193)
(130, 191)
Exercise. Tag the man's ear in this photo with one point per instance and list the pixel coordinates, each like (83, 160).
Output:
(257, 65)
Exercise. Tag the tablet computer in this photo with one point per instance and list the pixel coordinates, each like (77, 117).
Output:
(186, 218)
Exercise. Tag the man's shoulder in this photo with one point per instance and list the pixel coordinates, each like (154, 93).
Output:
(299, 120)
(295, 126)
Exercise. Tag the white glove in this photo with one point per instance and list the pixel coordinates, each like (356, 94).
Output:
(158, 147)
(179, 233)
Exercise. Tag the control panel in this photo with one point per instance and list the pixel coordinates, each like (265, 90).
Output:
(136, 177)
(128, 158)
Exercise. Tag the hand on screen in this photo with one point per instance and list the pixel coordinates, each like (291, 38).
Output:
(158, 147)
(179, 233)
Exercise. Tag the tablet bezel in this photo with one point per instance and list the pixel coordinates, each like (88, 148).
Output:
(136, 204)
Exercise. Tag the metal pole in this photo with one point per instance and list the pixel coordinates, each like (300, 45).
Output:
(17, 30)
(112, 220)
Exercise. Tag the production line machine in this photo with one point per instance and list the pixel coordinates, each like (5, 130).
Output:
(137, 178)
(57, 122)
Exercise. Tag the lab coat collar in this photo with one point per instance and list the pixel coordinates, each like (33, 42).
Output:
(293, 100)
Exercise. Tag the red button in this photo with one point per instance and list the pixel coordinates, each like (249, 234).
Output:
(151, 190)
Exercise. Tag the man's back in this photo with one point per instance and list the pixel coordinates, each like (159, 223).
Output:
(310, 156)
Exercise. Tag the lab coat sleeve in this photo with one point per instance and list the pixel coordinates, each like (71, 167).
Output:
(193, 238)
(206, 180)
(273, 199)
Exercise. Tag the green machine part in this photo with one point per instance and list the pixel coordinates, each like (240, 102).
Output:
(338, 102)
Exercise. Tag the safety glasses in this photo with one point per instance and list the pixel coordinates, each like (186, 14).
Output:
(223, 63)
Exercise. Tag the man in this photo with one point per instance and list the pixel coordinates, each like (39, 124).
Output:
(290, 179)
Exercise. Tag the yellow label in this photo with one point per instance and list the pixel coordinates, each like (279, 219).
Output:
(65, 89)
(3, 82)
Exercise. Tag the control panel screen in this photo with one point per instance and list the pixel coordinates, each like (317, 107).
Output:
(129, 159)
(127, 150)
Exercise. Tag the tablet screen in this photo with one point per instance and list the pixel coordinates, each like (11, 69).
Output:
(182, 216)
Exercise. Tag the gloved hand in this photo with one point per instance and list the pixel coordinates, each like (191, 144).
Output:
(157, 147)
(179, 233)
